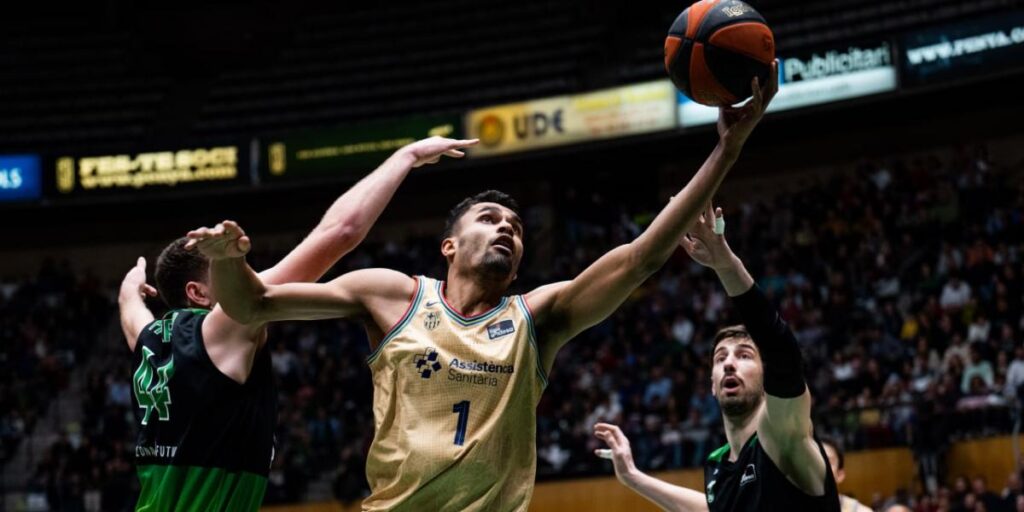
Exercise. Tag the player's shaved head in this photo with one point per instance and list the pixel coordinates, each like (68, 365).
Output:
(175, 268)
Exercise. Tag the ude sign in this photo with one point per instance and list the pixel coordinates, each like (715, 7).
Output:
(569, 119)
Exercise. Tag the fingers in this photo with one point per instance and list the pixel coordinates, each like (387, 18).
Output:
(464, 143)
(709, 212)
(773, 82)
(244, 244)
(454, 153)
(755, 87)
(149, 290)
(141, 263)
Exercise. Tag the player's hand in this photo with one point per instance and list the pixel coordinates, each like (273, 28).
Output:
(135, 281)
(223, 241)
(618, 450)
(430, 151)
(736, 123)
(705, 244)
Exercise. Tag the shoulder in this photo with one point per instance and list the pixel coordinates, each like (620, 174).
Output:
(380, 281)
(541, 299)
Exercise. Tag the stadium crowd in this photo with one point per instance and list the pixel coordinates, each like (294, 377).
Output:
(902, 280)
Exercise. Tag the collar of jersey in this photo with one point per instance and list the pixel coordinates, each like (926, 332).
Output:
(468, 320)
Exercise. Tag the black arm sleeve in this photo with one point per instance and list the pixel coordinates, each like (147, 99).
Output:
(783, 363)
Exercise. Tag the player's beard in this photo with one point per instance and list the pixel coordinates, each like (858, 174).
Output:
(741, 404)
(496, 266)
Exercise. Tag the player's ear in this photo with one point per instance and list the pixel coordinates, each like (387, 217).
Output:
(198, 294)
(448, 248)
(840, 476)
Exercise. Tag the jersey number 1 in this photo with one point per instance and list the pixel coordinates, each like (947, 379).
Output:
(460, 429)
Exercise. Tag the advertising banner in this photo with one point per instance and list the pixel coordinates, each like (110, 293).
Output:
(817, 78)
(20, 178)
(630, 110)
(350, 151)
(964, 49)
(125, 173)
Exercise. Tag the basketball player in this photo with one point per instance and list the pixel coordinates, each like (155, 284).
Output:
(458, 367)
(836, 462)
(203, 390)
(772, 461)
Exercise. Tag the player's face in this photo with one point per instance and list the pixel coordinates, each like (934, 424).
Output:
(737, 378)
(489, 240)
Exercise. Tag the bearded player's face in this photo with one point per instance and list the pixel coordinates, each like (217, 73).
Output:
(737, 378)
(489, 240)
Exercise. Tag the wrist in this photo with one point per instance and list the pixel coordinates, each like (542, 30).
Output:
(405, 158)
(631, 477)
(731, 146)
(731, 266)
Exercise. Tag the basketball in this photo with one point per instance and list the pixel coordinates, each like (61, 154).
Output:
(715, 48)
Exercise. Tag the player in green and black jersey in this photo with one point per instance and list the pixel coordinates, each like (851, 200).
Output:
(772, 461)
(204, 394)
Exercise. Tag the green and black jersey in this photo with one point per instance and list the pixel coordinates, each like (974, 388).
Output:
(205, 441)
(754, 483)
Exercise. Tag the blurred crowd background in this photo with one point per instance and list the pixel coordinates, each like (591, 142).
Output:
(902, 281)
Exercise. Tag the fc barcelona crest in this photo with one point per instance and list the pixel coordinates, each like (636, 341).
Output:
(431, 320)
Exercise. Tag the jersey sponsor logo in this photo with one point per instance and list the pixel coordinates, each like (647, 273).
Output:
(157, 450)
(431, 320)
(502, 328)
(749, 475)
(481, 373)
(427, 363)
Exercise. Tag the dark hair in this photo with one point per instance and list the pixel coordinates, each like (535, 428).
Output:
(732, 331)
(831, 441)
(175, 267)
(488, 196)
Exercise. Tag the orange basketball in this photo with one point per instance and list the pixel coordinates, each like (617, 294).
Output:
(715, 48)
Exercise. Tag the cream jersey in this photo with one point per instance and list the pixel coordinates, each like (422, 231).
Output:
(454, 407)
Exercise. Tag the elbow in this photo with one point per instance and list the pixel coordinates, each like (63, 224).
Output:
(245, 312)
(344, 235)
(642, 261)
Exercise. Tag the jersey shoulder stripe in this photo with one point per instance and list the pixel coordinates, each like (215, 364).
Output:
(521, 301)
(402, 322)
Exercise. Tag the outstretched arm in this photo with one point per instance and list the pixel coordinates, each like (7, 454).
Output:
(565, 309)
(135, 316)
(248, 299)
(342, 228)
(785, 430)
(663, 494)
(350, 218)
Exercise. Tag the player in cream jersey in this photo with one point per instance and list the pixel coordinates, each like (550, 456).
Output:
(471, 385)
(458, 366)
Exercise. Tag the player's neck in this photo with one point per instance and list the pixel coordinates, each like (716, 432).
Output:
(469, 296)
(739, 429)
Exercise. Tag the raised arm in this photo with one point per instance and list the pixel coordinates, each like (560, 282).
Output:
(350, 218)
(245, 297)
(785, 429)
(663, 494)
(135, 316)
(564, 309)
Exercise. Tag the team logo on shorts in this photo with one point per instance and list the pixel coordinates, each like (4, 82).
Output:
(431, 320)
(427, 363)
